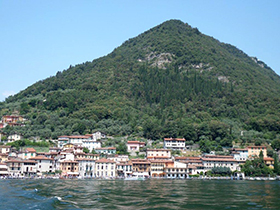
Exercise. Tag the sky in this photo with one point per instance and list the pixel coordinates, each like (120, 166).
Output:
(41, 37)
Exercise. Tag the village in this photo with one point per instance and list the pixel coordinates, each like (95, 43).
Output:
(83, 156)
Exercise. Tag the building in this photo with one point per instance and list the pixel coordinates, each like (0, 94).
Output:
(27, 153)
(142, 166)
(19, 167)
(269, 162)
(106, 150)
(158, 153)
(5, 149)
(119, 158)
(254, 151)
(3, 170)
(212, 161)
(240, 154)
(3, 157)
(14, 167)
(86, 167)
(158, 166)
(105, 168)
(124, 169)
(134, 146)
(44, 164)
(88, 141)
(14, 137)
(174, 143)
(69, 167)
(178, 171)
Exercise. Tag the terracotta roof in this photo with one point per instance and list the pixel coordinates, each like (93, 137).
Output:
(158, 150)
(40, 157)
(2, 146)
(106, 148)
(176, 139)
(133, 142)
(81, 159)
(14, 161)
(219, 156)
(268, 159)
(30, 150)
(103, 160)
(158, 157)
(187, 158)
(161, 161)
(219, 159)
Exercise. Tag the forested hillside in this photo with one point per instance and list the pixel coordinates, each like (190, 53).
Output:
(170, 81)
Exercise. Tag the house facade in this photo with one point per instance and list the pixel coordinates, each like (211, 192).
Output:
(44, 164)
(254, 151)
(158, 153)
(105, 168)
(174, 143)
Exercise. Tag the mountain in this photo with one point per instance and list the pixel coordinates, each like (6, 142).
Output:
(170, 81)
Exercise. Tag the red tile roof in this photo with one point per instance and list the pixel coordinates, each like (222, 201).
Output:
(176, 139)
(268, 159)
(158, 150)
(30, 150)
(40, 157)
(219, 159)
(103, 160)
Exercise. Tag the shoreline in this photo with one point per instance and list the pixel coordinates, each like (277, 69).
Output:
(157, 178)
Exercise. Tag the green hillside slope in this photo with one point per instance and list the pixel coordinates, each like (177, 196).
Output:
(171, 80)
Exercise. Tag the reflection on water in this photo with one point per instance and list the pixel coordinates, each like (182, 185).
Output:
(149, 194)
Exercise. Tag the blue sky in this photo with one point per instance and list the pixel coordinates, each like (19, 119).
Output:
(40, 37)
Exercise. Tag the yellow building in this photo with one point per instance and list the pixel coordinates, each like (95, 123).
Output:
(69, 167)
(269, 162)
(254, 151)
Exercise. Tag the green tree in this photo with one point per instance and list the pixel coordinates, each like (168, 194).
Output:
(85, 150)
(276, 164)
(122, 149)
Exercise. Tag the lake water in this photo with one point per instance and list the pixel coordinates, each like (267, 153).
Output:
(148, 194)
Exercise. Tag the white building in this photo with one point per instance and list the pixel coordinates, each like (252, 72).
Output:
(158, 153)
(86, 167)
(119, 158)
(14, 137)
(174, 143)
(88, 141)
(3, 170)
(124, 169)
(18, 167)
(27, 153)
(44, 164)
(105, 168)
(220, 161)
(240, 154)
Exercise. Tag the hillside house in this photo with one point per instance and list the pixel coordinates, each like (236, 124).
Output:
(174, 143)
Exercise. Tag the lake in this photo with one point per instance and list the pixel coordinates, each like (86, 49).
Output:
(148, 194)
